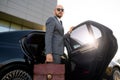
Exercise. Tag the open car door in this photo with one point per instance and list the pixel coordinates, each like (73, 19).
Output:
(91, 46)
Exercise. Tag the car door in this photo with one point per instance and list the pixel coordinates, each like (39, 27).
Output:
(91, 46)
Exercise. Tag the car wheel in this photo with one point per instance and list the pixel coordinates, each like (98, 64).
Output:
(116, 74)
(15, 72)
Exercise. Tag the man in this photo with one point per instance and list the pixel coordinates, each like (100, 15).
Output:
(54, 43)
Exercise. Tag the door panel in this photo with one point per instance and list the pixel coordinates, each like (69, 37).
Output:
(91, 43)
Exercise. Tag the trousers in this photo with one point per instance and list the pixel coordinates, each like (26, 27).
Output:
(56, 58)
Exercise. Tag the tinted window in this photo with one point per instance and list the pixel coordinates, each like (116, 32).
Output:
(96, 32)
(85, 36)
(81, 34)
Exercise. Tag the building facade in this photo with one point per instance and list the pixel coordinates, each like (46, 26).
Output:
(25, 14)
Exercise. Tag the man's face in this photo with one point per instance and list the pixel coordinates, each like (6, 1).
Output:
(59, 11)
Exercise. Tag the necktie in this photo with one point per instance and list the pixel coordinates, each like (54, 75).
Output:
(61, 22)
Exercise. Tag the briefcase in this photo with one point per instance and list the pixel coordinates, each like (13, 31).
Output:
(49, 72)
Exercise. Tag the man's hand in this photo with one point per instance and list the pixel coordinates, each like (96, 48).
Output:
(70, 30)
(49, 58)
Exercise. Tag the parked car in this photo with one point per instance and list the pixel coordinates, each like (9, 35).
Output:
(113, 70)
(90, 48)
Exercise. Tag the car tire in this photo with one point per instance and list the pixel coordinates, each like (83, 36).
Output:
(16, 72)
(115, 74)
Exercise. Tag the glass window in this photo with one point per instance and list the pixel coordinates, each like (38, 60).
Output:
(3, 29)
(26, 28)
(4, 26)
(85, 37)
(96, 32)
(81, 35)
(8, 26)
(15, 27)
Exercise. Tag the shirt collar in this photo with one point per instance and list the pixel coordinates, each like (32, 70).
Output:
(58, 19)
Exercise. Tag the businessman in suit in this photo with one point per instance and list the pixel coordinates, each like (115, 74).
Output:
(54, 43)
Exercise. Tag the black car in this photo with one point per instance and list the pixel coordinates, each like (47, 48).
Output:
(90, 48)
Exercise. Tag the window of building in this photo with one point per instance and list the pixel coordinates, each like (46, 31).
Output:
(15, 27)
(9, 26)
(26, 28)
(4, 26)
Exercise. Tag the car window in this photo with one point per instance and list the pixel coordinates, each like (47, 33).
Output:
(85, 36)
(80, 34)
(96, 32)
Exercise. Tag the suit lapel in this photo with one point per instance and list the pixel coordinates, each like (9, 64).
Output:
(58, 21)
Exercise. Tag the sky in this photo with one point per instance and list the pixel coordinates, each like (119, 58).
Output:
(106, 12)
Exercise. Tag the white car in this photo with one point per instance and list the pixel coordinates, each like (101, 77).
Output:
(113, 70)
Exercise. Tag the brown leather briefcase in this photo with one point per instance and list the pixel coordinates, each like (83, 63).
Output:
(49, 72)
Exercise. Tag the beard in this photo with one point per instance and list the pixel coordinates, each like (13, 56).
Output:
(59, 15)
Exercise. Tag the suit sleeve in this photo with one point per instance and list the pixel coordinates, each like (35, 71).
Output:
(50, 24)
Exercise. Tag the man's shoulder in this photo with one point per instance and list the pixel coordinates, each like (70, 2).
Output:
(51, 18)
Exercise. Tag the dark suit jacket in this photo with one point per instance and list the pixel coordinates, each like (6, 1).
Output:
(54, 42)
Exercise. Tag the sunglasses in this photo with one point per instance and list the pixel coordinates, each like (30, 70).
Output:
(59, 9)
